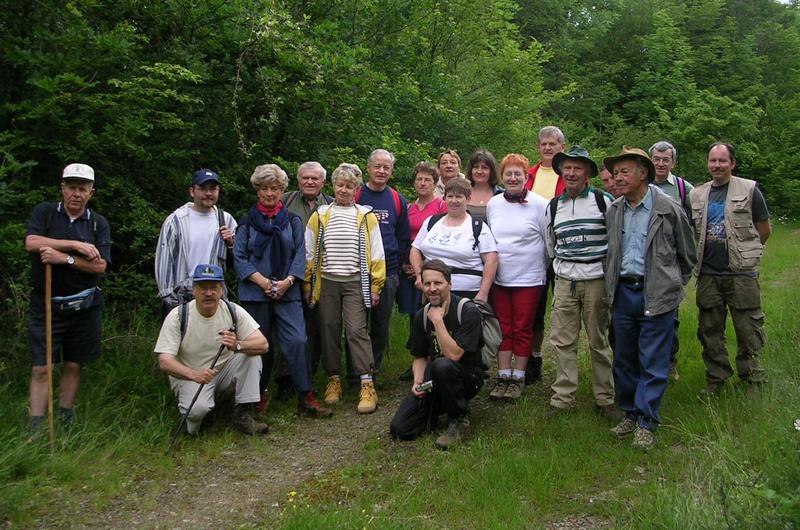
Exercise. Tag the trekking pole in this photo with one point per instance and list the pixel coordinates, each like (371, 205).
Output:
(48, 332)
(189, 409)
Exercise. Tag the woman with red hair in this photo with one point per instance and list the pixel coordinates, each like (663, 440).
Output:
(517, 219)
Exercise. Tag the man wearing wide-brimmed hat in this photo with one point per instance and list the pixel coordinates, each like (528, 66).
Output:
(577, 243)
(651, 254)
(76, 242)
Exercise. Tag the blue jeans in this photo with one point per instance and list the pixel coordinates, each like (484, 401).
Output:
(290, 330)
(641, 355)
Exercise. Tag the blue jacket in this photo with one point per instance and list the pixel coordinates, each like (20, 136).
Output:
(293, 240)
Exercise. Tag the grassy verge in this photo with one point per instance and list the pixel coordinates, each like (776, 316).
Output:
(730, 462)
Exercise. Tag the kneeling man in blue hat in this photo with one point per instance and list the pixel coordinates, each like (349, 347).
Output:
(191, 337)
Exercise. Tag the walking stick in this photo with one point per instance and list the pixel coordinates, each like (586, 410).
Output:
(189, 409)
(48, 331)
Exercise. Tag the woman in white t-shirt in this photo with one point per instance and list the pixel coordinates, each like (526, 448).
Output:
(451, 238)
(518, 221)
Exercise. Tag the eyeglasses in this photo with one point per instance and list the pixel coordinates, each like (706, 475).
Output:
(661, 160)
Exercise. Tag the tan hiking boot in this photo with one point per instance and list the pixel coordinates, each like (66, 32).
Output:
(514, 389)
(624, 428)
(333, 392)
(367, 398)
(643, 439)
(243, 420)
(500, 386)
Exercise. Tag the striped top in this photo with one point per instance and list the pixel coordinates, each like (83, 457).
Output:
(340, 244)
(578, 240)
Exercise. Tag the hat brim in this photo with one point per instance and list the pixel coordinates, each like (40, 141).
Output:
(559, 158)
(609, 162)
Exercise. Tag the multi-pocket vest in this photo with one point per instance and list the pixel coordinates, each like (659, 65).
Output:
(744, 245)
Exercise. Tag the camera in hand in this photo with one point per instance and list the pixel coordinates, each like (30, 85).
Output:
(427, 386)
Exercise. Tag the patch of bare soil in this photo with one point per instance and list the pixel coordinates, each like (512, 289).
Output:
(249, 482)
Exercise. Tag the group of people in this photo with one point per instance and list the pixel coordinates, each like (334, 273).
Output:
(495, 238)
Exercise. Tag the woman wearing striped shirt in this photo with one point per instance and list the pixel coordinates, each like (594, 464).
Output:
(345, 273)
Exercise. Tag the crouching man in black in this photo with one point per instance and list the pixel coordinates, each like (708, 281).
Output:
(446, 344)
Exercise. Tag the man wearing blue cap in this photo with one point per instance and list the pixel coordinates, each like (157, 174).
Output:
(193, 334)
(76, 242)
(197, 232)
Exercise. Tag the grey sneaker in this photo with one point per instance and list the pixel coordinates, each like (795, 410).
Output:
(500, 386)
(457, 431)
(624, 428)
(514, 389)
(643, 439)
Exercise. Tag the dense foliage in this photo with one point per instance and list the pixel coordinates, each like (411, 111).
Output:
(147, 91)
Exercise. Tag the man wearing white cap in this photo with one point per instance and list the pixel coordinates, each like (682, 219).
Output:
(76, 242)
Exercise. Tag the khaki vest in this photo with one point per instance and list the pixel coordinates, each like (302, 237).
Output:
(744, 245)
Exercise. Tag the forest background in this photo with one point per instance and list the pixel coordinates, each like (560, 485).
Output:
(148, 92)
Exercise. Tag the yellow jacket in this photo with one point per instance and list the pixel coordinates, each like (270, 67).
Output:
(372, 264)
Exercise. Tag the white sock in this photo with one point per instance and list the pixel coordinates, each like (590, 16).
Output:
(518, 374)
(536, 354)
(366, 377)
(505, 372)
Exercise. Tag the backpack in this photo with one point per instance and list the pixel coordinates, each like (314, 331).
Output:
(477, 226)
(491, 336)
(599, 197)
(398, 205)
(184, 317)
(681, 190)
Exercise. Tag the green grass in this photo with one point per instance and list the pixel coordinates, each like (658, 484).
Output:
(732, 462)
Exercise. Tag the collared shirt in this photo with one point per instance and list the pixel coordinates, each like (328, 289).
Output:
(298, 203)
(670, 187)
(634, 235)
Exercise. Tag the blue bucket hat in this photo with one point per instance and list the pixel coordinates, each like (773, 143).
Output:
(208, 273)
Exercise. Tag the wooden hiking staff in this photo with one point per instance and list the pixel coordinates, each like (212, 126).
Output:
(48, 331)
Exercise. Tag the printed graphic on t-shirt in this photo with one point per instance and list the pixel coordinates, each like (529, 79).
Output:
(715, 228)
(382, 215)
(445, 238)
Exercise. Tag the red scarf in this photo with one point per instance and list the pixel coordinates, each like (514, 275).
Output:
(269, 212)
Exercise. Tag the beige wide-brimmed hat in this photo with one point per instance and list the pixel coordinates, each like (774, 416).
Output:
(631, 153)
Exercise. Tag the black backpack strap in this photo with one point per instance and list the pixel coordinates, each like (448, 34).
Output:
(184, 319)
(221, 217)
(600, 198)
(434, 219)
(477, 226)
(232, 311)
(553, 207)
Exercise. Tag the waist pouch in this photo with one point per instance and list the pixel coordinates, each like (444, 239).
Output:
(76, 302)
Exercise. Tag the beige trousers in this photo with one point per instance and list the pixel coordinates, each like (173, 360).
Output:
(573, 302)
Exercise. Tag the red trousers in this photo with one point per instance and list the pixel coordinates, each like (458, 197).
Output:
(515, 308)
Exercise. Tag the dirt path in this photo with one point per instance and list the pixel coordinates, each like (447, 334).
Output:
(251, 481)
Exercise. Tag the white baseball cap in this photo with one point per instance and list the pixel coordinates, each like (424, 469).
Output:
(78, 171)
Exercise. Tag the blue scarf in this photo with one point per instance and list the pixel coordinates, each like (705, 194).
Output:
(269, 235)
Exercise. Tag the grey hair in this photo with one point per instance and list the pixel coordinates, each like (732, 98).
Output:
(551, 130)
(377, 152)
(266, 173)
(314, 165)
(349, 172)
(661, 147)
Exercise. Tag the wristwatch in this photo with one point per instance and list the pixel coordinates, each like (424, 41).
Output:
(70, 260)
(238, 346)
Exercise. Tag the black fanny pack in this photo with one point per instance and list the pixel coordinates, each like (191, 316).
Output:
(76, 302)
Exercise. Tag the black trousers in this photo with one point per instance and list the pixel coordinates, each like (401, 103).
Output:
(453, 386)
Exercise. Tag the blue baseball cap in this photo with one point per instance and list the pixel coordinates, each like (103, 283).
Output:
(201, 176)
(208, 273)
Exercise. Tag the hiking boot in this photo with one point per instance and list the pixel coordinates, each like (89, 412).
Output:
(500, 386)
(243, 420)
(333, 391)
(262, 402)
(367, 398)
(307, 404)
(36, 426)
(533, 372)
(457, 431)
(514, 389)
(673, 371)
(712, 390)
(408, 375)
(624, 428)
(609, 412)
(643, 439)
